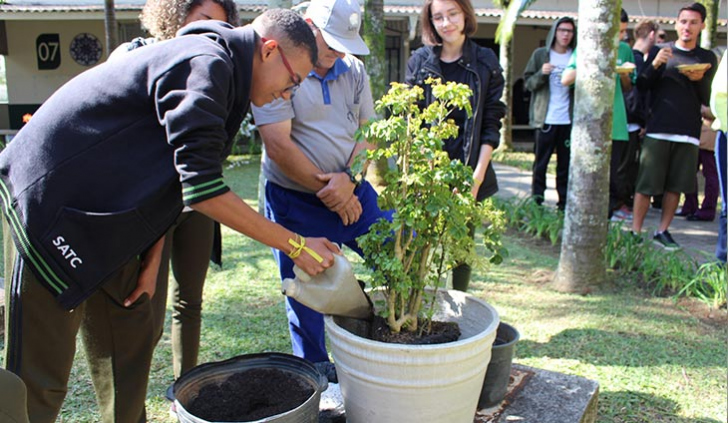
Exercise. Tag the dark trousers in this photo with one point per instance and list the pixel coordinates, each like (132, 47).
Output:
(622, 174)
(187, 246)
(40, 342)
(706, 161)
(551, 138)
(629, 167)
(461, 273)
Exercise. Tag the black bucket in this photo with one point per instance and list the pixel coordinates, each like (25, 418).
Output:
(498, 374)
(186, 388)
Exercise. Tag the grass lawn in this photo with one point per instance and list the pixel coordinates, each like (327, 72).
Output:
(655, 361)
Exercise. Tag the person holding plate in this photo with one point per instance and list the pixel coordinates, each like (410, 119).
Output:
(678, 79)
(624, 79)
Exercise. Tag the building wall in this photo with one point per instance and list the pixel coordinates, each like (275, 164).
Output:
(28, 84)
(526, 39)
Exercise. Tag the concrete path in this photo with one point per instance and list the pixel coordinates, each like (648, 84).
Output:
(697, 238)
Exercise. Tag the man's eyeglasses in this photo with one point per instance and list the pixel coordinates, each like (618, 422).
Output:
(565, 30)
(452, 17)
(294, 78)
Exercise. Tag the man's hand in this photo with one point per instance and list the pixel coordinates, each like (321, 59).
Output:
(547, 68)
(695, 75)
(147, 281)
(662, 57)
(351, 211)
(337, 192)
(324, 249)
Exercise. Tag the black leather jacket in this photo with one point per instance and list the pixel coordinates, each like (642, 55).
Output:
(485, 78)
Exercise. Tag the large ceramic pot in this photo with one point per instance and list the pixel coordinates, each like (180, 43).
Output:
(187, 387)
(396, 383)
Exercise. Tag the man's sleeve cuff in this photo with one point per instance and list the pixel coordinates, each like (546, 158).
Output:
(196, 191)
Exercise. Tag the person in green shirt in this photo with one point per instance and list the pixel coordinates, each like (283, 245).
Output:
(624, 79)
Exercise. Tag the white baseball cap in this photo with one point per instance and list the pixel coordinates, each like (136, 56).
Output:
(339, 22)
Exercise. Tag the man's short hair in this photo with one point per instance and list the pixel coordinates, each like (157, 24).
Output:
(644, 27)
(695, 7)
(292, 27)
(624, 17)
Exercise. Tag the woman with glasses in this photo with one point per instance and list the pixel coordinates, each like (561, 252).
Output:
(450, 55)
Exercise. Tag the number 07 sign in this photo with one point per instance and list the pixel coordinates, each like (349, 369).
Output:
(48, 51)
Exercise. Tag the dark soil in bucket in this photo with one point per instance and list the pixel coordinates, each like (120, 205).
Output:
(251, 395)
(440, 333)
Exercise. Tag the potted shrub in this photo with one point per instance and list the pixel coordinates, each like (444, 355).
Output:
(410, 257)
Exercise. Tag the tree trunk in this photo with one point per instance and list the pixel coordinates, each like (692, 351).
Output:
(375, 37)
(373, 28)
(110, 26)
(582, 263)
(708, 35)
(506, 132)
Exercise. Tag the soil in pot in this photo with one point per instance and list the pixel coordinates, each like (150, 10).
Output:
(251, 395)
(440, 333)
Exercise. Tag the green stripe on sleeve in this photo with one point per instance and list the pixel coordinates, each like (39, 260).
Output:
(203, 185)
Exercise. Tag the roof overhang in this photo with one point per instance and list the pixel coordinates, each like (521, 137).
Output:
(129, 10)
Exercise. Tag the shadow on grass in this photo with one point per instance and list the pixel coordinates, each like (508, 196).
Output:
(631, 406)
(601, 347)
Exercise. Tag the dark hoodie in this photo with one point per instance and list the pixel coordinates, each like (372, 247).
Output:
(105, 166)
(538, 83)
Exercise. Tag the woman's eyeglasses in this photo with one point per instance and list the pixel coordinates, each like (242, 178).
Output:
(452, 17)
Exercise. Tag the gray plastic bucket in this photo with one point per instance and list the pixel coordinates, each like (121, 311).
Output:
(187, 387)
(495, 385)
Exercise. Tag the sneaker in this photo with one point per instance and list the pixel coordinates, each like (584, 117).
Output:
(664, 240)
(169, 393)
(682, 212)
(327, 369)
(636, 237)
(621, 215)
(700, 218)
(169, 396)
(624, 213)
(617, 218)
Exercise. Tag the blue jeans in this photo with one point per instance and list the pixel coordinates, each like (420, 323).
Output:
(306, 215)
(720, 160)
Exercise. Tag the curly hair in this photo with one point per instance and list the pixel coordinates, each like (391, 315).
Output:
(163, 18)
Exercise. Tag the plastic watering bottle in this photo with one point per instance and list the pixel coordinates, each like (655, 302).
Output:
(334, 291)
